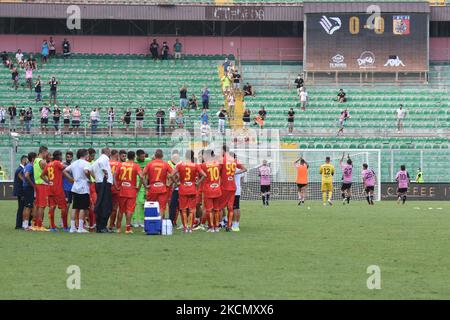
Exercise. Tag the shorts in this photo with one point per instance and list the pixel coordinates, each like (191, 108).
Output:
(265, 189)
(127, 120)
(41, 196)
(28, 197)
(161, 198)
(115, 198)
(369, 189)
(75, 123)
(66, 121)
(402, 190)
(58, 200)
(346, 186)
(80, 201)
(211, 203)
(301, 186)
(69, 196)
(236, 203)
(290, 125)
(327, 186)
(127, 205)
(187, 201)
(44, 120)
(227, 199)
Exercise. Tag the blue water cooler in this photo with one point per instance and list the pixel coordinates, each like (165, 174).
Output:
(152, 218)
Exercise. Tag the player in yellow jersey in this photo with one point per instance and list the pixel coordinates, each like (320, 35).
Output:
(327, 172)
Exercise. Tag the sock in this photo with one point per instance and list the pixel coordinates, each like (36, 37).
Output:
(330, 195)
(368, 199)
(209, 218)
(371, 199)
(237, 224)
(404, 199)
(192, 217)
(72, 224)
(25, 224)
(343, 195)
(204, 218)
(264, 200)
(51, 215)
(267, 198)
(324, 197)
(217, 218)
(128, 227)
(64, 218)
(80, 223)
(230, 218)
(91, 218)
(348, 199)
(184, 217)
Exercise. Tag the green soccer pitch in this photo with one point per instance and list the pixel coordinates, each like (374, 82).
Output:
(282, 252)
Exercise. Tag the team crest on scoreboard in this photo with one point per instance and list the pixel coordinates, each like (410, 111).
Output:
(401, 25)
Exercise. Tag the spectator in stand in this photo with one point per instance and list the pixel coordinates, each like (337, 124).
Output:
(164, 51)
(44, 110)
(226, 84)
(31, 62)
(15, 78)
(27, 119)
(222, 115)
(303, 98)
(203, 116)
(127, 119)
(66, 116)
(205, 98)
(231, 103)
(260, 118)
(154, 47)
(299, 83)
(248, 90)
(56, 119)
(19, 58)
(177, 48)
(341, 96)
(401, 114)
(38, 89)
(52, 48)
(246, 118)
(183, 97)
(94, 120)
(5, 58)
(160, 114)
(12, 112)
(139, 119)
(291, 115)
(44, 51)
(180, 120)
(29, 77)
(76, 118)
(236, 80)
(53, 87)
(342, 119)
(2, 119)
(22, 119)
(111, 115)
(66, 48)
(205, 131)
(172, 117)
(193, 104)
(225, 65)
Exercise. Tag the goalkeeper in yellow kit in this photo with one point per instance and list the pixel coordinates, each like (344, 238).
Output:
(327, 172)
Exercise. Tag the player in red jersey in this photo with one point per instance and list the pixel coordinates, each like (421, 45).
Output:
(155, 174)
(52, 175)
(126, 182)
(212, 190)
(228, 184)
(115, 165)
(190, 175)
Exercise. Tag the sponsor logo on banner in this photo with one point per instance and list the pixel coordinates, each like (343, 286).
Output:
(401, 25)
(366, 60)
(338, 62)
(331, 24)
(394, 61)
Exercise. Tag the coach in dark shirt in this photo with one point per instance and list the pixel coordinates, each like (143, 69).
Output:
(18, 190)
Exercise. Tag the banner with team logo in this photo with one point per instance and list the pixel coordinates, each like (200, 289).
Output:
(383, 42)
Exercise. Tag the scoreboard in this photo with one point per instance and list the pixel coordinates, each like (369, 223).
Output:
(349, 42)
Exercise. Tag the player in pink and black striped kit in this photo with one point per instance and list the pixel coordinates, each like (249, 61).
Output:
(264, 173)
(347, 179)
(402, 178)
(368, 178)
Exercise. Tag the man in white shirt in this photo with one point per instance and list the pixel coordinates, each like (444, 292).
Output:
(19, 57)
(303, 98)
(204, 131)
(101, 170)
(172, 116)
(2, 118)
(78, 173)
(94, 120)
(401, 114)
